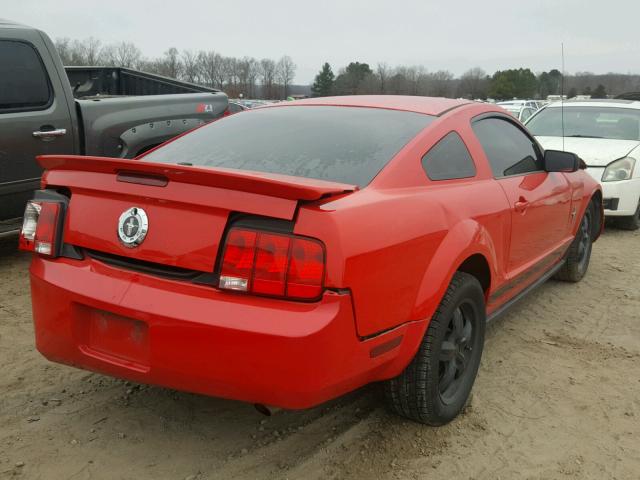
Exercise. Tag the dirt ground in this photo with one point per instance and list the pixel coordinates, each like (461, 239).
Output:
(558, 396)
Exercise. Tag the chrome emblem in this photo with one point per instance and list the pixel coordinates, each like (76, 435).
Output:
(132, 227)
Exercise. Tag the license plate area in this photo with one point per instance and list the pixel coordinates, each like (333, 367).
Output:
(113, 338)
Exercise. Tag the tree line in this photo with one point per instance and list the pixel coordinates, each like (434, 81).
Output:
(246, 76)
(272, 79)
(359, 78)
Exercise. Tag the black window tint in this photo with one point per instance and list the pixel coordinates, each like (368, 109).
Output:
(343, 144)
(449, 159)
(509, 150)
(23, 80)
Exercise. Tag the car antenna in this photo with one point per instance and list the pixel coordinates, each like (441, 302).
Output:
(562, 94)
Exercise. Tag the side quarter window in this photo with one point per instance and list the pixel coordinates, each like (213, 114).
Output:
(509, 150)
(449, 159)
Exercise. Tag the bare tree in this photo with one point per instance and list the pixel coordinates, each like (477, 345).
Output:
(92, 51)
(171, 66)
(63, 46)
(440, 83)
(247, 74)
(383, 72)
(211, 68)
(123, 54)
(252, 76)
(473, 83)
(267, 75)
(285, 72)
(191, 66)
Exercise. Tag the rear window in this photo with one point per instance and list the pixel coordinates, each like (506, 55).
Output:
(23, 80)
(341, 144)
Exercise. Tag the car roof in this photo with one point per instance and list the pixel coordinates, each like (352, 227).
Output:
(607, 103)
(427, 105)
(4, 23)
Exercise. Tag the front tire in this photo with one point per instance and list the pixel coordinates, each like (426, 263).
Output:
(435, 386)
(579, 253)
(630, 223)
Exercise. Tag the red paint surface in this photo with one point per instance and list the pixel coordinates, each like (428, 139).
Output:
(391, 251)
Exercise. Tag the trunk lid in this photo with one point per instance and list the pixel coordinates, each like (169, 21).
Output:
(187, 207)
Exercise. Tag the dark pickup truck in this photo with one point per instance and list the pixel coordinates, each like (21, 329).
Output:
(103, 111)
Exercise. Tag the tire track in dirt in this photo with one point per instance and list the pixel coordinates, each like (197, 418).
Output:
(558, 396)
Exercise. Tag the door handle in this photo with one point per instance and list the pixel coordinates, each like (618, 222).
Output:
(521, 205)
(50, 134)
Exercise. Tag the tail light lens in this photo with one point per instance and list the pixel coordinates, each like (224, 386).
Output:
(40, 228)
(273, 264)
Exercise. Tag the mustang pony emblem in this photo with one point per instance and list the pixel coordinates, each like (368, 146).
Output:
(132, 227)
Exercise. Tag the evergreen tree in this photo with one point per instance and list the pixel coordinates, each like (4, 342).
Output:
(599, 92)
(515, 83)
(323, 84)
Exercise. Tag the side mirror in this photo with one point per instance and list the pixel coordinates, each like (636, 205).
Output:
(558, 161)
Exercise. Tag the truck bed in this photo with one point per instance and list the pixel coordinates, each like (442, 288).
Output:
(119, 81)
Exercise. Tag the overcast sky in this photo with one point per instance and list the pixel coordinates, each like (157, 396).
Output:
(454, 35)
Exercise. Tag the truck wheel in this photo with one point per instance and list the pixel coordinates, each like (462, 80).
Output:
(435, 386)
(579, 253)
(630, 223)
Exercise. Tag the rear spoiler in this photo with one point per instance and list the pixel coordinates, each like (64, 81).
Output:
(274, 185)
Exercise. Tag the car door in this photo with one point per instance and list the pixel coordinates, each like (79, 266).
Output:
(33, 120)
(540, 201)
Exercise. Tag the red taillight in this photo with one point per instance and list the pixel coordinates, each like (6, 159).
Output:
(40, 228)
(273, 264)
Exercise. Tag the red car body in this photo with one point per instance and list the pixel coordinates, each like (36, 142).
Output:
(391, 250)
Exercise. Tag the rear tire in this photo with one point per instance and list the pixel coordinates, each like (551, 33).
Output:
(630, 223)
(435, 386)
(579, 254)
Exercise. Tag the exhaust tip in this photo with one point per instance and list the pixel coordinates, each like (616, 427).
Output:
(266, 410)
(263, 409)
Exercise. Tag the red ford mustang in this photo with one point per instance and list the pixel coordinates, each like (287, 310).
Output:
(289, 254)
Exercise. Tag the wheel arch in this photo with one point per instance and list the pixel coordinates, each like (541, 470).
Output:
(598, 224)
(478, 266)
(472, 250)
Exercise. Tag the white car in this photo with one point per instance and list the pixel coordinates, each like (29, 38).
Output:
(521, 112)
(606, 135)
(535, 104)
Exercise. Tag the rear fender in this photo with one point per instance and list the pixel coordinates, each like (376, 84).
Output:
(463, 240)
(140, 138)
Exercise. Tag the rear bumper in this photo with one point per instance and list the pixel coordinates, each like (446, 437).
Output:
(198, 339)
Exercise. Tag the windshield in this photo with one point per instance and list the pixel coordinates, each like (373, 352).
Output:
(343, 144)
(590, 122)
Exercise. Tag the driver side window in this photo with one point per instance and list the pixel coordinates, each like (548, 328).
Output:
(508, 149)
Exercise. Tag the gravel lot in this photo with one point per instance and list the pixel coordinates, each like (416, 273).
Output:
(558, 396)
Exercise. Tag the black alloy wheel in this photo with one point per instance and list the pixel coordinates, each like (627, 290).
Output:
(456, 352)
